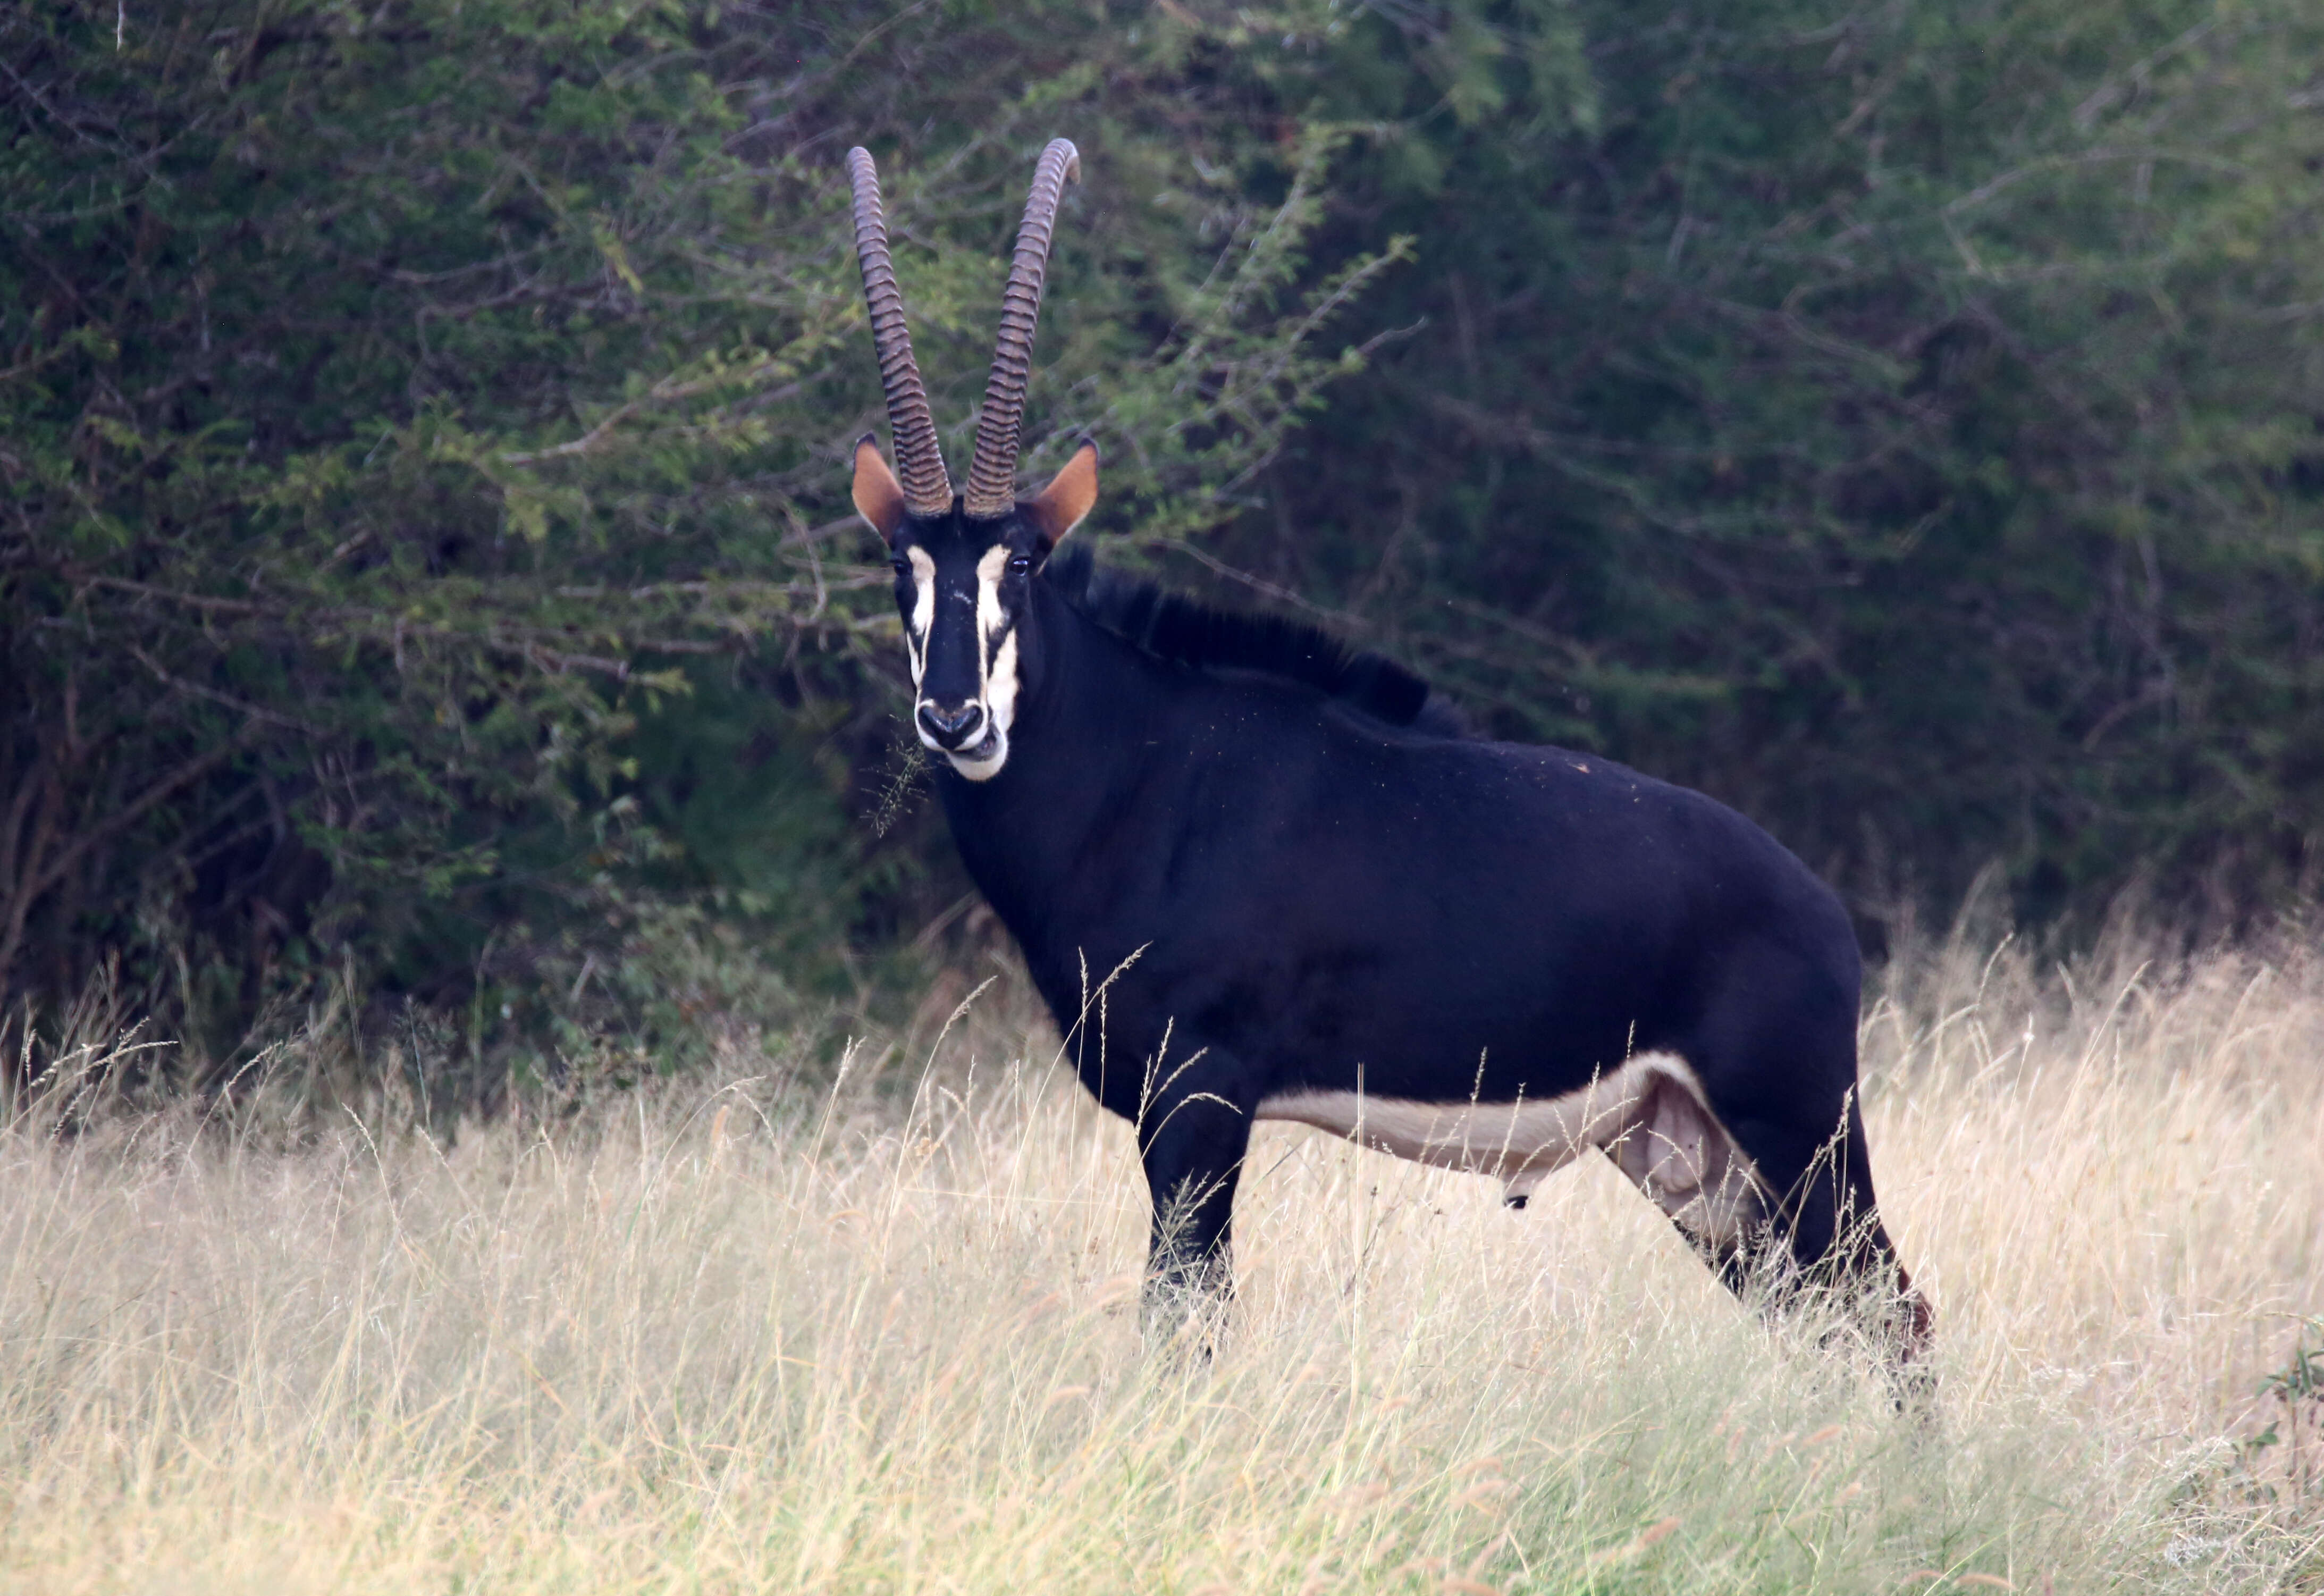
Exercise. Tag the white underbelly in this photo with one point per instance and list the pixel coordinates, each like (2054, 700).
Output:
(1649, 1114)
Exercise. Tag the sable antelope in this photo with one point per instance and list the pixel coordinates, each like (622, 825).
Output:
(1321, 901)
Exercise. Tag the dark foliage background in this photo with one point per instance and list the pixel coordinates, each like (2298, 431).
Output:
(426, 581)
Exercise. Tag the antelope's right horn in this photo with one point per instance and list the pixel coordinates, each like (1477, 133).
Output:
(919, 463)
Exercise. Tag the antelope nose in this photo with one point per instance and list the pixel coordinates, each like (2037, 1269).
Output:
(952, 728)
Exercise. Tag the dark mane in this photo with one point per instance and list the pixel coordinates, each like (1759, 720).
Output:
(1174, 627)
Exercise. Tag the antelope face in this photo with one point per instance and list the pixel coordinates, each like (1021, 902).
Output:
(962, 593)
(963, 586)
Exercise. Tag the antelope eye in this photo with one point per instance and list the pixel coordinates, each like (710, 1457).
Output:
(1021, 563)
(903, 566)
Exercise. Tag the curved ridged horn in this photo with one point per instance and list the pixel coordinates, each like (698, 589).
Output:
(919, 464)
(993, 475)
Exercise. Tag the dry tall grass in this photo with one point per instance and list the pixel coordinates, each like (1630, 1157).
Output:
(748, 1339)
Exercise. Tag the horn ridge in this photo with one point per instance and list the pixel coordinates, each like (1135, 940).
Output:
(992, 475)
(919, 463)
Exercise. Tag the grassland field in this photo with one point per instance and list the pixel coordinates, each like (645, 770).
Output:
(757, 1331)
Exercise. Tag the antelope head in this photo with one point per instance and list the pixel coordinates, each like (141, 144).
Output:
(964, 563)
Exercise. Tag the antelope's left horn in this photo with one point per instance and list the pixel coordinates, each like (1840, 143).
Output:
(993, 475)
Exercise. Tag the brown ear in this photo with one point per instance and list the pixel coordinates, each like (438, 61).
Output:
(1069, 496)
(879, 499)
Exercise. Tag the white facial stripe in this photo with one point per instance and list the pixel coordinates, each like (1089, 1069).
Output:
(1650, 1114)
(994, 632)
(990, 617)
(1001, 685)
(924, 610)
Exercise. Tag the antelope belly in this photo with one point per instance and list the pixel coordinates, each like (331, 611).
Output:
(1518, 1142)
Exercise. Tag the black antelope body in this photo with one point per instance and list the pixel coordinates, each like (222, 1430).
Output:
(1318, 900)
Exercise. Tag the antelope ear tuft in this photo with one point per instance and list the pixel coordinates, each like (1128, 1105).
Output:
(878, 498)
(1071, 493)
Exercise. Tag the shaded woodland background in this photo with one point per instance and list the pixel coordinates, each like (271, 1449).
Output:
(427, 592)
